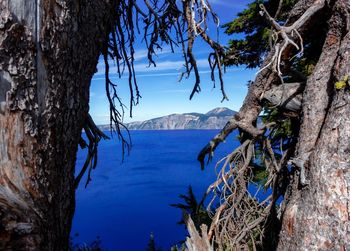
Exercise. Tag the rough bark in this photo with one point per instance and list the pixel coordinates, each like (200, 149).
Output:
(48, 54)
(317, 216)
(317, 94)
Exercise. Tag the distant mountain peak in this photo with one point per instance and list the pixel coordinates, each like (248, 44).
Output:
(220, 111)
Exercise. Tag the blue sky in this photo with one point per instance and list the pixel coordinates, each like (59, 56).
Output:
(161, 92)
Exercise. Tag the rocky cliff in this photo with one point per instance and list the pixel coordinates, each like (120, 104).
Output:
(214, 119)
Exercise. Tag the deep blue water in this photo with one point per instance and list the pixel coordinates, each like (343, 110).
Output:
(127, 201)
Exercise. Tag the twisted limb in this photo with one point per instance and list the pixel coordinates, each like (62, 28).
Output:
(94, 135)
(241, 219)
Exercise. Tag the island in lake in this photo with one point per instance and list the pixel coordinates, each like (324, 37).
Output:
(214, 119)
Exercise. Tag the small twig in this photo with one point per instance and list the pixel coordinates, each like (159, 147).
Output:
(94, 135)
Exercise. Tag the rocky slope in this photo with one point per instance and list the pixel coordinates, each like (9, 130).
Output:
(214, 119)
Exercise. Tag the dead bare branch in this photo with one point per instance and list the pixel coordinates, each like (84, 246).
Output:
(94, 135)
(287, 37)
(197, 241)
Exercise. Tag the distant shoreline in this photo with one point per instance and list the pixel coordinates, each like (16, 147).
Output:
(215, 119)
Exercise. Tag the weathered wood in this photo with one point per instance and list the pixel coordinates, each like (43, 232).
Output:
(197, 241)
(317, 216)
(317, 95)
(286, 96)
(48, 54)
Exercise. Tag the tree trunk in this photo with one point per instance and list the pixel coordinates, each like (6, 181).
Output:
(317, 216)
(48, 54)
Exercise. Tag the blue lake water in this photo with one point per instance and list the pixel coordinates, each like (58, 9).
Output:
(127, 201)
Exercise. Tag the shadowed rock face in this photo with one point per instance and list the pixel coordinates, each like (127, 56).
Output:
(214, 119)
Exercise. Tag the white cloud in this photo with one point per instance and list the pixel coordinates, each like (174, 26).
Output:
(178, 73)
(177, 67)
(138, 56)
(227, 3)
(168, 65)
(162, 74)
(169, 91)
(142, 54)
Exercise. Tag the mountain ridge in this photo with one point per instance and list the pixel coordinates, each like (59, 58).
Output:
(213, 119)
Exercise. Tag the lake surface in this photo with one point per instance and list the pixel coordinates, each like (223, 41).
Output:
(127, 201)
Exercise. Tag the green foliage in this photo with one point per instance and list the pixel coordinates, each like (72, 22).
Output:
(252, 39)
(93, 246)
(176, 248)
(282, 131)
(151, 246)
(260, 174)
(282, 135)
(255, 32)
(283, 127)
(306, 66)
(342, 83)
(195, 209)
